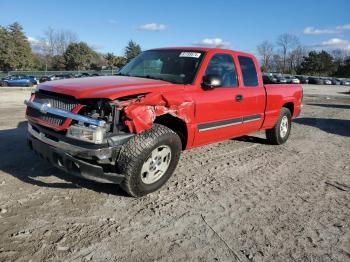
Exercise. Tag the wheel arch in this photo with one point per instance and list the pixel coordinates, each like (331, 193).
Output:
(290, 107)
(176, 124)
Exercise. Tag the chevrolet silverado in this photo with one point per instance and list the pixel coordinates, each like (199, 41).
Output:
(130, 129)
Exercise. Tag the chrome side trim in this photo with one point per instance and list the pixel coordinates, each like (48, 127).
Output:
(219, 126)
(251, 118)
(228, 123)
(46, 108)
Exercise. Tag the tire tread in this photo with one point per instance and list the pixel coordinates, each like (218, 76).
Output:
(133, 152)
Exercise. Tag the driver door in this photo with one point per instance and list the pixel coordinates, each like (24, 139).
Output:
(218, 111)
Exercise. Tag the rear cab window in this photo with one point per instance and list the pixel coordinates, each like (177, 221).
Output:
(249, 73)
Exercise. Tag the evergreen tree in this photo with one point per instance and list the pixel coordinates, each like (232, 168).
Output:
(15, 50)
(79, 56)
(317, 63)
(344, 69)
(132, 50)
(110, 59)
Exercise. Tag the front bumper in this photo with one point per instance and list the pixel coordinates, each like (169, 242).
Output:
(77, 167)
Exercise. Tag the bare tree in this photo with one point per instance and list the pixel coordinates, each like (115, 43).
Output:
(286, 42)
(276, 63)
(265, 50)
(296, 57)
(63, 39)
(55, 42)
(340, 55)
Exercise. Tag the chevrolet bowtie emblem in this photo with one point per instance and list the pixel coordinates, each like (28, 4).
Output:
(44, 108)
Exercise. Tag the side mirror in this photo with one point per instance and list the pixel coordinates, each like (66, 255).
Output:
(211, 81)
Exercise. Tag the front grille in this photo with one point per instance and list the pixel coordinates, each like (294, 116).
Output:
(56, 101)
(52, 119)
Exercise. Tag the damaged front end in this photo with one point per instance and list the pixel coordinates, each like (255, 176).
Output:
(140, 113)
(84, 137)
(80, 137)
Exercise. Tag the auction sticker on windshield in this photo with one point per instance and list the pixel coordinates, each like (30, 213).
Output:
(190, 54)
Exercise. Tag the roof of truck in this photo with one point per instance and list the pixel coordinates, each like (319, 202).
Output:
(204, 49)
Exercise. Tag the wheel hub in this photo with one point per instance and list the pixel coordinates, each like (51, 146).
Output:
(284, 126)
(156, 164)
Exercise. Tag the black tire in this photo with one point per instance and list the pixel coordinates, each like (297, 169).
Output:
(136, 152)
(275, 135)
(30, 84)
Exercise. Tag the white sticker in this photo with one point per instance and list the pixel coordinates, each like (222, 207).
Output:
(190, 54)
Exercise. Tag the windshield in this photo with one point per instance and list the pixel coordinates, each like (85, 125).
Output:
(176, 66)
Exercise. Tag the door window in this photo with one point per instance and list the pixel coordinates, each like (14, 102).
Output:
(223, 66)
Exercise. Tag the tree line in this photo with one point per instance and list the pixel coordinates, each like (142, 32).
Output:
(287, 55)
(56, 50)
(61, 50)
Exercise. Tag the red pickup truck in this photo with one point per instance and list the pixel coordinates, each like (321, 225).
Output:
(130, 129)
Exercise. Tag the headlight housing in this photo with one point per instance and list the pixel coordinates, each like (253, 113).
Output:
(92, 134)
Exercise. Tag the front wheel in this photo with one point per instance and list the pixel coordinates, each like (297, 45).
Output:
(280, 132)
(148, 160)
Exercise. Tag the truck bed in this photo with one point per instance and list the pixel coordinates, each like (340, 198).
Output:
(278, 95)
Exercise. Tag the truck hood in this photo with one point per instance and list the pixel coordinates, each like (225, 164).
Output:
(110, 87)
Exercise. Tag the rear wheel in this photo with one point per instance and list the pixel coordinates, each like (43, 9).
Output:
(280, 132)
(148, 160)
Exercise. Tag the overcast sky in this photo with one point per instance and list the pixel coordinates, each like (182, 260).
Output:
(108, 25)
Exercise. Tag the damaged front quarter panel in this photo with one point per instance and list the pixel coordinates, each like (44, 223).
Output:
(141, 112)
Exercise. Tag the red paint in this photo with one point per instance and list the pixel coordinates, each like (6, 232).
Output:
(110, 87)
(141, 113)
(190, 103)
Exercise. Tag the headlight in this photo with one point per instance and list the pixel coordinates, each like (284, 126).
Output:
(89, 134)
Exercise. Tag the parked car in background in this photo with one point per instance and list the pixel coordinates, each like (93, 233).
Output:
(18, 80)
(327, 81)
(31, 78)
(303, 79)
(335, 81)
(55, 77)
(82, 75)
(315, 80)
(269, 79)
(292, 80)
(345, 82)
(281, 80)
(34, 80)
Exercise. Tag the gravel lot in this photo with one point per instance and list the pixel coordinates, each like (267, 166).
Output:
(239, 200)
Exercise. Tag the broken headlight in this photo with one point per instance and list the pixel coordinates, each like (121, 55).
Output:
(93, 134)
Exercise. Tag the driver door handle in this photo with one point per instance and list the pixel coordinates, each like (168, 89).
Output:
(239, 98)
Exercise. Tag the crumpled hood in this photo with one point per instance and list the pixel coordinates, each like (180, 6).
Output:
(110, 87)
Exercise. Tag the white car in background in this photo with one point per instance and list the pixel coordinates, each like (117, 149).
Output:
(292, 80)
(327, 81)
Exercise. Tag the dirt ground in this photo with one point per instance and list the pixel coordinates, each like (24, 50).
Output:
(239, 200)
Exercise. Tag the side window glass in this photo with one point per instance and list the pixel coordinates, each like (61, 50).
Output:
(223, 66)
(250, 76)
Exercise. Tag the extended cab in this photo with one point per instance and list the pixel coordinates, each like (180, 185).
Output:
(130, 129)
